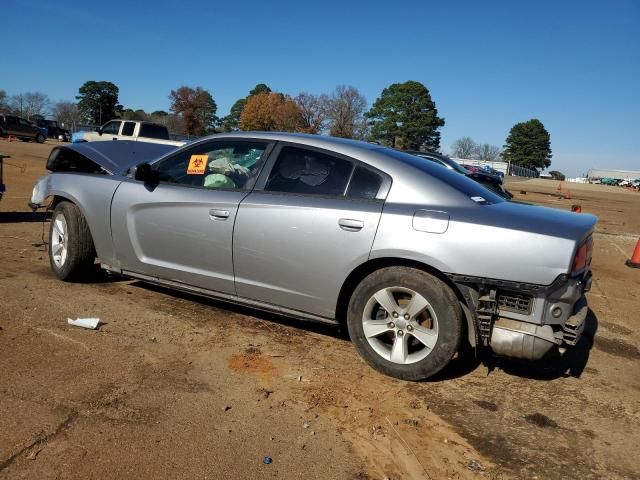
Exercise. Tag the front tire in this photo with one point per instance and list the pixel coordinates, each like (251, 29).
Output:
(405, 322)
(71, 250)
(40, 138)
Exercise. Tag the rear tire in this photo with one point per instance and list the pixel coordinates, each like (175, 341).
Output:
(405, 322)
(71, 251)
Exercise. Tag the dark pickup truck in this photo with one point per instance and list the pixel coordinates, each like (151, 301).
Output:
(55, 131)
(12, 126)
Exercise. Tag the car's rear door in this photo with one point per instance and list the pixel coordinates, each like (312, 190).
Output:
(310, 221)
(127, 130)
(26, 128)
(182, 229)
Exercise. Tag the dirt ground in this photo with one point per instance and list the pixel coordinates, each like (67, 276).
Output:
(175, 386)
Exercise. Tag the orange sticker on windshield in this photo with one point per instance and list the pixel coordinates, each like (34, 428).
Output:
(197, 164)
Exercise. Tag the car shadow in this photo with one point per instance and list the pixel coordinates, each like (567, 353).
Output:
(329, 330)
(553, 366)
(468, 359)
(23, 217)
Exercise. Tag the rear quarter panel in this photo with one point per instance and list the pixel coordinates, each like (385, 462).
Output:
(483, 241)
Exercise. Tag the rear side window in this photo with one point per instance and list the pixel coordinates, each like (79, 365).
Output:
(364, 184)
(149, 130)
(298, 170)
(128, 129)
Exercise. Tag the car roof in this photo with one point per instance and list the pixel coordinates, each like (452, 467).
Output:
(332, 143)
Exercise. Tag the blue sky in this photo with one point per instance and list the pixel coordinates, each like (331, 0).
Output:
(575, 65)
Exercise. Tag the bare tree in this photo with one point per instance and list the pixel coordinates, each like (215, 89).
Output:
(488, 153)
(344, 111)
(174, 123)
(312, 112)
(30, 104)
(67, 114)
(4, 106)
(464, 147)
(17, 104)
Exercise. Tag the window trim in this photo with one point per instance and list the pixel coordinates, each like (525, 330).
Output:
(252, 182)
(261, 183)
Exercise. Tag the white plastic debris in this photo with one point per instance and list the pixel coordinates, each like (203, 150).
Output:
(91, 323)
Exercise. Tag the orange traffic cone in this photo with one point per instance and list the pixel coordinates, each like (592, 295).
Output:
(559, 189)
(634, 261)
(576, 208)
(568, 195)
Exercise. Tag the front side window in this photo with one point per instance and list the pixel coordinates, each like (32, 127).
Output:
(111, 128)
(228, 165)
(128, 128)
(298, 170)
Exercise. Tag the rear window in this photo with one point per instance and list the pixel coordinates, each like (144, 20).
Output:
(462, 183)
(364, 184)
(150, 130)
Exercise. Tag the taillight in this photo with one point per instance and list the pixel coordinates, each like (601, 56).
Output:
(583, 256)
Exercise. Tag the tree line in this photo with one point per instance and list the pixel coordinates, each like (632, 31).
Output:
(404, 116)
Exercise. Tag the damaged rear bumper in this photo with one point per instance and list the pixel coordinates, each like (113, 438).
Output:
(528, 321)
(517, 339)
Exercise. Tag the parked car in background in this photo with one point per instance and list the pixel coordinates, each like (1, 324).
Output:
(11, 125)
(499, 176)
(55, 131)
(492, 171)
(412, 257)
(128, 130)
(488, 180)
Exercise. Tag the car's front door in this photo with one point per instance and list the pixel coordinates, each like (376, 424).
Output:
(110, 130)
(182, 229)
(310, 221)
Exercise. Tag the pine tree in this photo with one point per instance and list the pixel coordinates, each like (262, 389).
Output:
(406, 117)
(528, 145)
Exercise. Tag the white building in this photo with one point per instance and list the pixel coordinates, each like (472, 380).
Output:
(618, 174)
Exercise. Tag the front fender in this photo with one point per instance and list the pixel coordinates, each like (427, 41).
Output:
(92, 193)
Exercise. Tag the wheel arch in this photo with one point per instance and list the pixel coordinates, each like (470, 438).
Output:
(59, 197)
(370, 266)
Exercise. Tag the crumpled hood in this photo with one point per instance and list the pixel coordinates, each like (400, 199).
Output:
(116, 157)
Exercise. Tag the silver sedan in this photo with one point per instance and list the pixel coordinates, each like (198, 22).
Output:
(414, 259)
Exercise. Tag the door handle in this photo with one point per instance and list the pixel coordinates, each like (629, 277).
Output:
(219, 214)
(350, 225)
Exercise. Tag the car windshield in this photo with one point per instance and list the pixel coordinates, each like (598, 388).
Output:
(462, 183)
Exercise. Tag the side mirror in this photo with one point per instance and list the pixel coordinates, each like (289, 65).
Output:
(145, 173)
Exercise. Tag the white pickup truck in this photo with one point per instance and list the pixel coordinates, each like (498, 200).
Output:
(128, 130)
